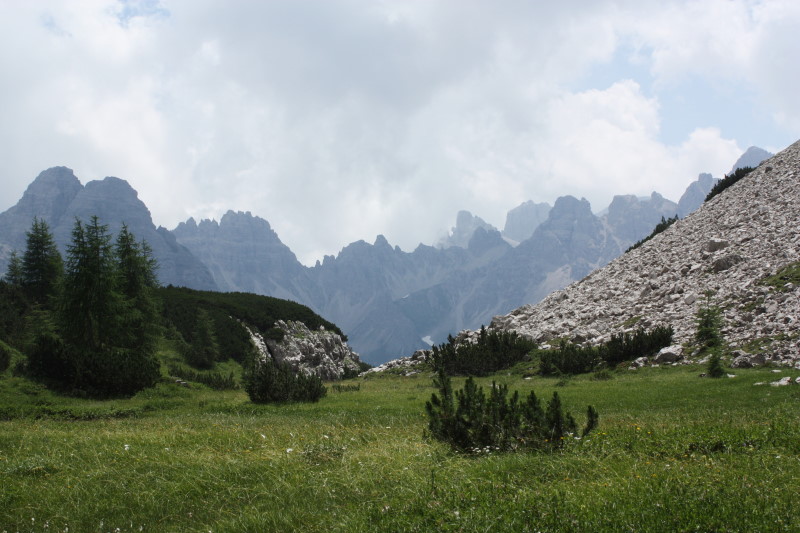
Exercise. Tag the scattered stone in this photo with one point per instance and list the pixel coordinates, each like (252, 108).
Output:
(715, 244)
(786, 380)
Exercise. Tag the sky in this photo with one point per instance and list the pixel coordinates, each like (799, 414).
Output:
(338, 120)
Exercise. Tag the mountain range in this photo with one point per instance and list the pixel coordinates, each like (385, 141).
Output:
(389, 302)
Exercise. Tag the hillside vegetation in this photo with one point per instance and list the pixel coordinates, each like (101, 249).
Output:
(89, 324)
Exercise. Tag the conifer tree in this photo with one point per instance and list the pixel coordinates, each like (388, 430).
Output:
(204, 350)
(91, 305)
(105, 356)
(14, 274)
(41, 267)
(136, 272)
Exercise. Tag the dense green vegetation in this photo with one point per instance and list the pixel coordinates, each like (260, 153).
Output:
(181, 307)
(661, 226)
(673, 453)
(472, 422)
(491, 352)
(90, 325)
(570, 358)
(271, 382)
(728, 180)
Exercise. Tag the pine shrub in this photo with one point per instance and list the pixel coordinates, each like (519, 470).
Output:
(273, 382)
(714, 368)
(709, 327)
(472, 422)
(493, 351)
(571, 358)
(727, 181)
(661, 226)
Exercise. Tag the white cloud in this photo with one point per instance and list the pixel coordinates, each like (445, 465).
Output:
(338, 120)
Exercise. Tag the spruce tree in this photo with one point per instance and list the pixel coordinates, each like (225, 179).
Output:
(91, 305)
(14, 274)
(137, 284)
(41, 267)
(95, 316)
(204, 350)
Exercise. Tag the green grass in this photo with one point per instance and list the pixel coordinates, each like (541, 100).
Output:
(673, 452)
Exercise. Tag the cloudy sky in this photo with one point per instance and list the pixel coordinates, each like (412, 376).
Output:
(337, 120)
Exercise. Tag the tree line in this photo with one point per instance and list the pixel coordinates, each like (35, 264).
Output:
(91, 319)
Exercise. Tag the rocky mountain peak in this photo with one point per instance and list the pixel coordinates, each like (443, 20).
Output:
(48, 195)
(752, 157)
(461, 233)
(523, 220)
(695, 194)
(631, 217)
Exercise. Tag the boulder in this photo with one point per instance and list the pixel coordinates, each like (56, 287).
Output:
(715, 244)
(746, 360)
(668, 355)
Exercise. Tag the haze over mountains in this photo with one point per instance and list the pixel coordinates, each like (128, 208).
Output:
(388, 301)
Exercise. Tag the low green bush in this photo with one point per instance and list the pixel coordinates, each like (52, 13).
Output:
(272, 382)
(493, 351)
(472, 422)
(570, 358)
(727, 181)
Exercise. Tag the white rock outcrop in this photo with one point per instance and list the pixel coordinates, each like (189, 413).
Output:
(319, 352)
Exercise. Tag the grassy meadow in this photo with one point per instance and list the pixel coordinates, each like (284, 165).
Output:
(673, 452)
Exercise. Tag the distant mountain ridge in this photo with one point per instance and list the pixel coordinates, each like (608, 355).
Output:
(389, 302)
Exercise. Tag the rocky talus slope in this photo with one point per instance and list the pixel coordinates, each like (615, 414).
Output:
(726, 248)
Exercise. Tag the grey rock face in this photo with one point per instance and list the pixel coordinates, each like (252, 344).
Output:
(658, 283)
(523, 220)
(631, 218)
(695, 194)
(57, 197)
(752, 157)
(244, 254)
(461, 233)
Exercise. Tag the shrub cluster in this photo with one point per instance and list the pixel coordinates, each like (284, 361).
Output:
(214, 380)
(273, 382)
(728, 180)
(571, 358)
(661, 226)
(471, 422)
(492, 352)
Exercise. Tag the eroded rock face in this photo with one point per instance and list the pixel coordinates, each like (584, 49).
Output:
(725, 249)
(319, 352)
